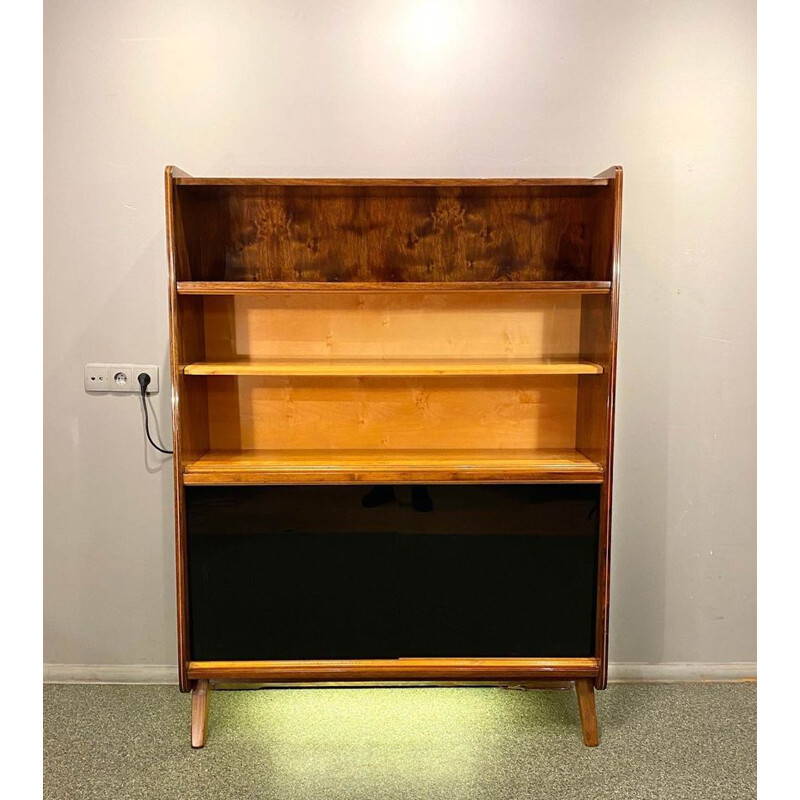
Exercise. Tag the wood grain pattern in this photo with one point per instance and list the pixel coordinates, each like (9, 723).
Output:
(415, 325)
(373, 413)
(272, 287)
(595, 346)
(431, 234)
(396, 669)
(584, 689)
(406, 466)
(392, 367)
(203, 227)
(382, 233)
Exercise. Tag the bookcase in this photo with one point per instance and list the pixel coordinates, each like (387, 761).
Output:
(393, 419)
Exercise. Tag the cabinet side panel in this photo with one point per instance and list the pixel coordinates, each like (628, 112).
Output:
(177, 264)
(203, 231)
(603, 253)
(189, 403)
(592, 429)
(595, 425)
(192, 395)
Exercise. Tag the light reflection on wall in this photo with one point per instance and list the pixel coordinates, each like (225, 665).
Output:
(428, 28)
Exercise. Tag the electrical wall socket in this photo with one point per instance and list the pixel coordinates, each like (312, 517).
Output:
(118, 378)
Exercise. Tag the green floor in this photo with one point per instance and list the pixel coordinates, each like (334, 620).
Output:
(692, 741)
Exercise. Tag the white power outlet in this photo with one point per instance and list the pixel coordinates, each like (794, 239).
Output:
(118, 378)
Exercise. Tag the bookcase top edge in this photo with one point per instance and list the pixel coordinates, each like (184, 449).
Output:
(390, 183)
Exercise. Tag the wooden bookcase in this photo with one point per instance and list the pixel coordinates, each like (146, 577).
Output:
(393, 417)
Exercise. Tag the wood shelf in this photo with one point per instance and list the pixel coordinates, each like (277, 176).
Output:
(266, 287)
(229, 467)
(393, 367)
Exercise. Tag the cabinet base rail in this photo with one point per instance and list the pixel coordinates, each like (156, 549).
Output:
(396, 669)
(582, 670)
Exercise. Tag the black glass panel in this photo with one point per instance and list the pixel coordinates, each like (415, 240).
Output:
(313, 572)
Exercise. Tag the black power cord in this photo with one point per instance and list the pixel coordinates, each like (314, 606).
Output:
(144, 382)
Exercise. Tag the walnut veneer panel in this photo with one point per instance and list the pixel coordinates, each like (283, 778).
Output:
(390, 233)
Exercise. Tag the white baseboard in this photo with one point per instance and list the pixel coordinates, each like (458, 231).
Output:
(111, 673)
(636, 672)
(632, 672)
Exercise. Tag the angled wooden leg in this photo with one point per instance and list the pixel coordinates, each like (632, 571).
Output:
(584, 688)
(200, 697)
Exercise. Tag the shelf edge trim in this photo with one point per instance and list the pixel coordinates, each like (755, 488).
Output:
(269, 287)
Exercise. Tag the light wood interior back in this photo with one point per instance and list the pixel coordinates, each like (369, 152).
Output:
(388, 414)
(408, 325)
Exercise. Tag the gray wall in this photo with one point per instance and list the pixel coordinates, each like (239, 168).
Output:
(250, 87)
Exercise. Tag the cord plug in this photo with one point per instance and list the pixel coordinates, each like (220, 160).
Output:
(144, 382)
